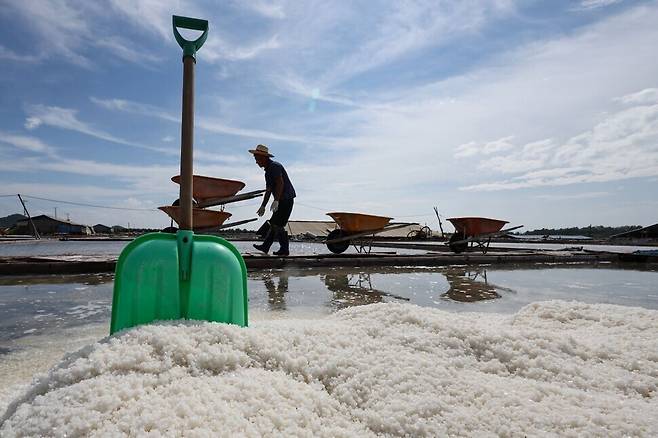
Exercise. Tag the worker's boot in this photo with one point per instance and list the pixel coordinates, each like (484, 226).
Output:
(284, 244)
(269, 239)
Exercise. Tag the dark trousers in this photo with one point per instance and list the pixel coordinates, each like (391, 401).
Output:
(278, 222)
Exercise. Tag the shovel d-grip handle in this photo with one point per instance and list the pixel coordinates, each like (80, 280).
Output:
(190, 47)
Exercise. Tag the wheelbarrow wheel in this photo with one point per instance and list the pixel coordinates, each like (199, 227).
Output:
(337, 247)
(454, 243)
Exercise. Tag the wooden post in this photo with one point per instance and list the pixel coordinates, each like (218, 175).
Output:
(436, 210)
(36, 232)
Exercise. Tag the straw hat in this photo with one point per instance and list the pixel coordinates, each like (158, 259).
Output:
(261, 149)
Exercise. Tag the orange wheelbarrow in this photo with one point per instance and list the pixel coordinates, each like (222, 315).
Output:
(358, 229)
(476, 231)
(208, 192)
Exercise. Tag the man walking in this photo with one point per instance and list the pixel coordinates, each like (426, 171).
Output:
(279, 186)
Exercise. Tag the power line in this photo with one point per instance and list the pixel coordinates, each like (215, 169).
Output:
(310, 206)
(88, 205)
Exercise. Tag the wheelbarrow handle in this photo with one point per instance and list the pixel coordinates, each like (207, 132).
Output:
(190, 47)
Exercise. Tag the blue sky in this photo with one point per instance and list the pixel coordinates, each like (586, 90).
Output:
(540, 113)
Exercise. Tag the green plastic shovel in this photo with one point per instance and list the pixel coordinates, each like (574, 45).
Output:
(163, 276)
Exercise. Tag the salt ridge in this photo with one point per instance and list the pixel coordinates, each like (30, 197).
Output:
(554, 368)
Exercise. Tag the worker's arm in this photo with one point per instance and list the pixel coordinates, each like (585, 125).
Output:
(278, 193)
(266, 199)
(278, 188)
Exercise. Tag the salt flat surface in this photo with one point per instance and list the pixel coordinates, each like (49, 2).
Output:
(553, 368)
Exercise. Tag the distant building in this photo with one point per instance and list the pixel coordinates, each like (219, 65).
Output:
(646, 234)
(102, 229)
(49, 225)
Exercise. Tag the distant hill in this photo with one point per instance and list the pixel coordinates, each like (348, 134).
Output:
(10, 221)
(595, 232)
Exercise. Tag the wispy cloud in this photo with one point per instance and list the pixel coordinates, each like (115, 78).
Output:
(154, 16)
(5, 53)
(595, 4)
(401, 29)
(268, 9)
(547, 101)
(206, 123)
(30, 144)
(217, 49)
(648, 96)
(473, 148)
(70, 29)
(124, 50)
(66, 118)
(563, 197)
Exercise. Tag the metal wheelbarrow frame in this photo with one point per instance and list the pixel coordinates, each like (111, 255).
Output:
(359, 230)
(476, 232)
(209, 192)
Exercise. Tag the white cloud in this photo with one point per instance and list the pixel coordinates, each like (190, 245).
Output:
(217, 49)
(595, 4)
(562, 197)
(32, 123)
(154, 16)
(206, 123)
(124, 50)
(268, 9)
(30, 144)
(473, 148)
(63, 28)
(72, 29)
(467, 149)
(647, 96)
(66, 118)
(325, 45)
(546, 95)
(5, 53)
(623, 145)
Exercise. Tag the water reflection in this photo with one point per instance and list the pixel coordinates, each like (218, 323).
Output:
(351, 290)
(276, 299)
(469, 285)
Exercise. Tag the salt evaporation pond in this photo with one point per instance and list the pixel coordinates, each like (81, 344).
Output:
(458, 351)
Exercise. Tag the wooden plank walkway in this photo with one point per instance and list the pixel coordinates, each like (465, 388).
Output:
(96, 264)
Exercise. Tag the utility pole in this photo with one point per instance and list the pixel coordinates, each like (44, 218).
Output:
(55, 212)
(436, 210)
(34, 228)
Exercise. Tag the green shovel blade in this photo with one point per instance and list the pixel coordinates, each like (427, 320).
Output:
(162, 276)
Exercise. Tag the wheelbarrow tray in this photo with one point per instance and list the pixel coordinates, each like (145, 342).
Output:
(359, 222)
(201, 218)
(475, 226)
(206, 187)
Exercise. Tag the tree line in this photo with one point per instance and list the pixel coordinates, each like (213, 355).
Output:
(593, 231)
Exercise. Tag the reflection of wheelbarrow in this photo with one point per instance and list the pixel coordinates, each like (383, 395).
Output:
(359, 230)
(476, 231)
(209, 192)
(354, 289)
